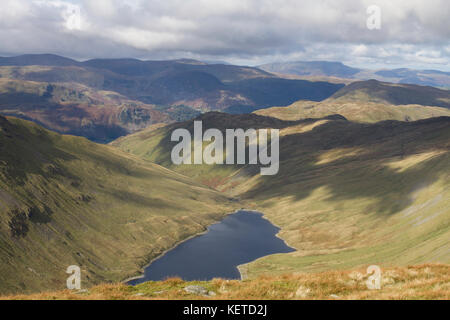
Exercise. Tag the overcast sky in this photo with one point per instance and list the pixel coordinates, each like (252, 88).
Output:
(413, 33)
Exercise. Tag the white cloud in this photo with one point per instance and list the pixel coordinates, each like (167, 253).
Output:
(246, 31)
(360, 50)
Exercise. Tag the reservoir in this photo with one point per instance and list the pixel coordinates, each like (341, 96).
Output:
(239, 238)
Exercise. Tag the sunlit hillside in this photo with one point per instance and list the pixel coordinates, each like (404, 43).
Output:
(65, 200)
(347, 194)
(371, 101)
(421, 282)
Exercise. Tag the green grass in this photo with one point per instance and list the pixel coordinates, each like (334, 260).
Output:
(155, 145)
(361, 111)
(390, 93)
(370, 102)
(77, 202)
(347, 193)
(384, 200)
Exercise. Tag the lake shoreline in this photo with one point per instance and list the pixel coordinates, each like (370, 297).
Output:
(180, 242)
(276, 235)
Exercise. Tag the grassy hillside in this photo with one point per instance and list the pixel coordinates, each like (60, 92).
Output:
(371, 101)
(347, 193)
(390, 93)
(402, 283)
(65, 200)
(360, 111)
(155, 145)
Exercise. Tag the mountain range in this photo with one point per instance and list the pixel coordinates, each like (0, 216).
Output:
(333, 70)
(364, 167)
(103, 99)
(371, 101)
(113, 97)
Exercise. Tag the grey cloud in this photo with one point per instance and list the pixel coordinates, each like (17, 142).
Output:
(249, 31)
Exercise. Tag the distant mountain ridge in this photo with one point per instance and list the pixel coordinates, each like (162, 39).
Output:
(103, 99)
(38, 59)
(107, 98)
(312, 68)
(371, 101)
(136, 67)
(389, 93)
(300, 68)
(433, 78)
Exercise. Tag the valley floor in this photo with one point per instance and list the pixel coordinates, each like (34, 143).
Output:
(427, 281)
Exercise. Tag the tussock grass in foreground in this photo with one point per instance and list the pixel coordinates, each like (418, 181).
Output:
(428, 281)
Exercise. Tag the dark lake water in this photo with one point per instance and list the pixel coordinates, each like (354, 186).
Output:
(239, 238)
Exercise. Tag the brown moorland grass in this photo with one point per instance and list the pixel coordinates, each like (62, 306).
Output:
(427, 281)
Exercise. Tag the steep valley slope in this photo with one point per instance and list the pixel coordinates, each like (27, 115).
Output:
(347, 194)
(67, 201)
